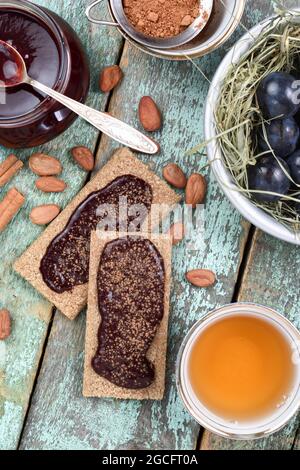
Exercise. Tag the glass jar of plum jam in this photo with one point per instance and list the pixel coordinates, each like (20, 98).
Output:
(54, 56)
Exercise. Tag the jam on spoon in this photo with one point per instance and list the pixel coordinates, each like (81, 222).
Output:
(16, 73)
(11, 66)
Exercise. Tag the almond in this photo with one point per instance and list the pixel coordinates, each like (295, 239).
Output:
(149, 114)
(5, 324)
(43, 215)
(110, 77)
(195, 191)
(201, 277)
(44, 165)
(84, 157)
(174, 175)
(177, 233)
(50, 184)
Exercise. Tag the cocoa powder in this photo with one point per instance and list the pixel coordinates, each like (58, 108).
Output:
(161, 18)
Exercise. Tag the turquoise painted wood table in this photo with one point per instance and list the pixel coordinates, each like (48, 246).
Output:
(41, 364)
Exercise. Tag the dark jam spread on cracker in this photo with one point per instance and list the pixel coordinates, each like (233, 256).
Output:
(66, 262)
(130, 287)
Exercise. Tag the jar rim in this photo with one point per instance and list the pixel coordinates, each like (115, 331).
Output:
(65, 58)
(204, 416)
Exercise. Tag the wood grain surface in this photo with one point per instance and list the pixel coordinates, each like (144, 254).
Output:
(20, 354)
(180, 91)
(58, 416)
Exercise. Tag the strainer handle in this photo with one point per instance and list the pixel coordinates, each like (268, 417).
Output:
(91, 18)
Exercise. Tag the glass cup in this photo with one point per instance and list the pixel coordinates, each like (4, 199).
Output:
(48, 46)
(253, 429)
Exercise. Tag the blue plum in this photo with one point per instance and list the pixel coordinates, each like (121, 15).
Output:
(297, 118)
(278, 95)
(282, 135)
(267, 175)
(293, 162)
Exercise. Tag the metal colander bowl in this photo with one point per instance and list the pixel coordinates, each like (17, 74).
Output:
(225, 17)
(121, 21)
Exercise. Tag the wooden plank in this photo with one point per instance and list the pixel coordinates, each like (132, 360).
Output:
(271, 278)
(59, 417)
(20, 355)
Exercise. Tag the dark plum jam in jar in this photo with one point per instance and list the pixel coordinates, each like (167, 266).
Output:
(54, 56)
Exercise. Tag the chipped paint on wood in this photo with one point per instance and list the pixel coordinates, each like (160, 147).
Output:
(60, 417)
(20, 354)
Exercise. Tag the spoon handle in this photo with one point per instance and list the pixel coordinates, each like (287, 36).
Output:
(107, 124)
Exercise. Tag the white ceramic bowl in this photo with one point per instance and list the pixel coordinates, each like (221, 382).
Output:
(256, 216)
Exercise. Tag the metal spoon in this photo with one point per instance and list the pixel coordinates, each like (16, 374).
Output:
(13, 72)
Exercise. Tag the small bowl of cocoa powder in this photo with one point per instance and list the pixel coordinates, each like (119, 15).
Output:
(162, 23)
(219, 20)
